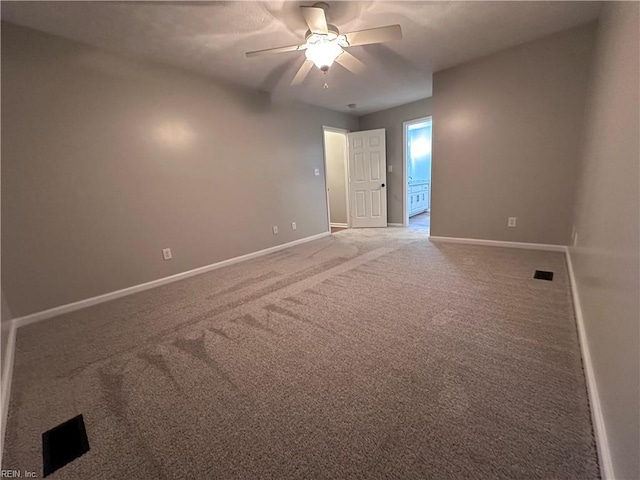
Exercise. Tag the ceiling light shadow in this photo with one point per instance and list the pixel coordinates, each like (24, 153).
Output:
(279, 75)
(390, 59)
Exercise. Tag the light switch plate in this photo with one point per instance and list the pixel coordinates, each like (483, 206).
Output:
(390, 168)
(316, 172)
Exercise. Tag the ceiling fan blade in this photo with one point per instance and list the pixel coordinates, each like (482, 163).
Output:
(350, 62)
(302, 73)
(374, 35)
(316, 19)
(290, 48)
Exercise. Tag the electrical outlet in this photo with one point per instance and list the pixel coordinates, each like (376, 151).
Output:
(511, 222)
(293, 225)
(166, 254)
(316, 172)
(275, 229)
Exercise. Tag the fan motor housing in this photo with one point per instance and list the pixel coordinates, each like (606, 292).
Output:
(333, 33)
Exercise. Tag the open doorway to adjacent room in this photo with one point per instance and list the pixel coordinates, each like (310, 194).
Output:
(335, 157)
(417, 173)
(355, 178)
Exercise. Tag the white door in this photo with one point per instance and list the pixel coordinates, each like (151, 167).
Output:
(368, 178)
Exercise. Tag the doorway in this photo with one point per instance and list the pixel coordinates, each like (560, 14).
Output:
(355, 178)
(336, 173)
(417, 173)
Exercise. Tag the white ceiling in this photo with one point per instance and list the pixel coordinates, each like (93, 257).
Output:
(212, 37)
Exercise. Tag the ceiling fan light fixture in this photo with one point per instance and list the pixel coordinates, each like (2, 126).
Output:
(324, 44)
(323, 53)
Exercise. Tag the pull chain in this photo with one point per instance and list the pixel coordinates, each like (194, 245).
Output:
(326, 85)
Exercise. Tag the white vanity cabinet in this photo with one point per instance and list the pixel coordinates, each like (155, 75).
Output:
(418, 198)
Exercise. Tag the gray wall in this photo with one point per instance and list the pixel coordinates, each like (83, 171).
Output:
(392, 120)
(606, 257)
(5, 325)
(336, 152)
(107, 160)
(506, 140)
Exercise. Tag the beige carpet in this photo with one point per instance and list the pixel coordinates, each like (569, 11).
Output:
(368, 354)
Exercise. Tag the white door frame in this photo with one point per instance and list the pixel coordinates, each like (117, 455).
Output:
(346, 173)
(405, 192)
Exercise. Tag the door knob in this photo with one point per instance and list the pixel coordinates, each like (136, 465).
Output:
(383, 184)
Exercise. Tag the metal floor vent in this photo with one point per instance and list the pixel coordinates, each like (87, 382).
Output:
(63, 444)
(542, 275)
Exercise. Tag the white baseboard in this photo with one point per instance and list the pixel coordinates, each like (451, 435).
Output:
(7, 373)
(395, 225)
(70, 307)
(600, 432)
(339, 225)
(499, 243)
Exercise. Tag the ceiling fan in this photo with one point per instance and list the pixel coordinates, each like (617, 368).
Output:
(324, 43)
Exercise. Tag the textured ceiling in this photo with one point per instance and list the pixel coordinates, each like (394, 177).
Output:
(212, 37)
